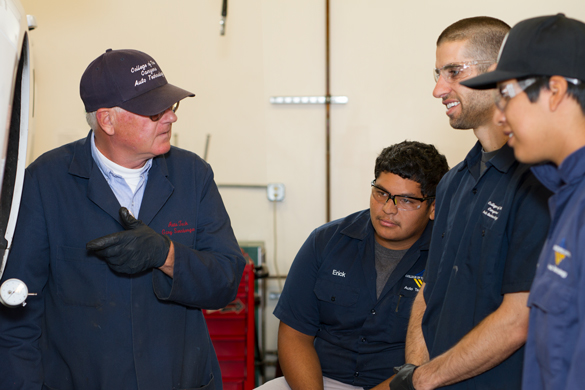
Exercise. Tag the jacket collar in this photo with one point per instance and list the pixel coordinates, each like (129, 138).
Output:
(571, 170)
(82, 162)
(158, 188)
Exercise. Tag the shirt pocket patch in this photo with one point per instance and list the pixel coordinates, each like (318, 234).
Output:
(335, 293)
(80, 279)
(555, 332)
(550, 296)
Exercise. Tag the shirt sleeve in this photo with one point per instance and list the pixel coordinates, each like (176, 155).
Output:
(208, 275)
(577, 359)
(20, 327)
(527, 231)
(298, 307)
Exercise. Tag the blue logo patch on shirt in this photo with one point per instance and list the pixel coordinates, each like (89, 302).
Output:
(560, 254)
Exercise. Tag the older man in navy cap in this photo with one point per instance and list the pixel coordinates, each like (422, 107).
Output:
(541, 94)
(119, 298)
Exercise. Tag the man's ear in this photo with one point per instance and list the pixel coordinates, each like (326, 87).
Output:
(105, 119)
(432, 213)
(558, 91)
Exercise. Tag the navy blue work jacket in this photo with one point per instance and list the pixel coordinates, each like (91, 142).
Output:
(488, 233)
(330, 292)
(92, 328)
(555, 349)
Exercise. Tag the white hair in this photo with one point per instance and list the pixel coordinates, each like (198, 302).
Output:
(91, 118)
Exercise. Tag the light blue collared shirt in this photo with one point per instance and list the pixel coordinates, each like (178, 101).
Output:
(127, 198)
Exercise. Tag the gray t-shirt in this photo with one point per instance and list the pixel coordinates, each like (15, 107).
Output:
(485, 157)
(386, 262)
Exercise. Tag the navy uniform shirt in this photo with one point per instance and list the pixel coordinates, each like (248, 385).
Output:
(488, 233)
(555, 349)
(92, 328)
(330, 292)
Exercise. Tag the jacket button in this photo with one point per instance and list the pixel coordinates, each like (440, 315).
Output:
(474, 191)
(373, 311)
(332, 299)
(356, 374)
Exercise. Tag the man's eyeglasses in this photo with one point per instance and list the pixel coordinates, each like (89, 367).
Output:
(402, 202)
(173, 108)
(456, 71)
(507, 91)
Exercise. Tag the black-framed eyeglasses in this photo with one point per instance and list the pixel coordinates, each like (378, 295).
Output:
(456, 71)
(173, 108)
(402, 202)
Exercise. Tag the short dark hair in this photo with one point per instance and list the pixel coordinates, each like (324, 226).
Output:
(415, 161)
(484, 35)
(576, 92)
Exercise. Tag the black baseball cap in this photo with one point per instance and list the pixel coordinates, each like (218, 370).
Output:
(129, 79)
(543, 46)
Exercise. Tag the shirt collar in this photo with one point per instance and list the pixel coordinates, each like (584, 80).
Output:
(502, 161)
(362, 227)
(82, 161)
(103, 165)
(571, 170)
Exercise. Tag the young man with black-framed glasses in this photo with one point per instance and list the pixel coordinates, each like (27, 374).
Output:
(345, 305)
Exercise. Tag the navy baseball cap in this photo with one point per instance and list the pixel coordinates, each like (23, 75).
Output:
(543, 46)
(129, 79)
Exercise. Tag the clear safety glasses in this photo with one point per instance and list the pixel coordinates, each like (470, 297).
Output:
(456, 71)
(507, 91)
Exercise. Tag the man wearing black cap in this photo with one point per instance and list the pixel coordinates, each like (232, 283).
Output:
(119, 298)
(469, 322)
(540, 79)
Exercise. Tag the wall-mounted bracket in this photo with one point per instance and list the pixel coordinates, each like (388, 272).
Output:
(308, 99)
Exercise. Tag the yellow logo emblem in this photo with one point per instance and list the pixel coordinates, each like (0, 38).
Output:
(559, 257)
(560, 254)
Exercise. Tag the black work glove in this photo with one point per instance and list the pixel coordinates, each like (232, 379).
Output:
(133, 250)
(403, 378)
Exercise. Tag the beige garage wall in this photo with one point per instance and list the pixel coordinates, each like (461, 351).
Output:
(382, 53)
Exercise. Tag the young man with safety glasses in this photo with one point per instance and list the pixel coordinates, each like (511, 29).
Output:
(469, 321)
(541, 94)
(344, 308)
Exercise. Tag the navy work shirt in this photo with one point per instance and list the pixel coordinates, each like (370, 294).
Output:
(555, 349)
(93, 328)
(488, 233)
(330, 292)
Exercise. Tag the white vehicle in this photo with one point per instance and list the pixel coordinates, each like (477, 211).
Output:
(16, 111)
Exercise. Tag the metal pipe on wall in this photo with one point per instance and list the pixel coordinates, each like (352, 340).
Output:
(327, 119)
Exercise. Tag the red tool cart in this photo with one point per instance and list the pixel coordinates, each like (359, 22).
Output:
(232, 333)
